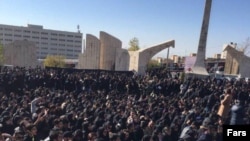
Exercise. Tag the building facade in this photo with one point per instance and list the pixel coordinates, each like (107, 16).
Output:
(47, 41)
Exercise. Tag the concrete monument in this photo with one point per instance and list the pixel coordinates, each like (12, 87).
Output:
(109, 46)
(236, 62)
(106, 54)
(21, 53)
(90, 59)
(199, 66)
(140, 58)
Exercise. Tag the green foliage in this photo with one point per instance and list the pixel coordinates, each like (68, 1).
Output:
(153, 64)
(54, 61)
(1, 54)
(134, 44)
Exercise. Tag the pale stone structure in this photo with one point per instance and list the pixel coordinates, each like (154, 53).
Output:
(199, 66)
(236, 62)
(140, 58)
(20, 53)
(106, 54)
(109, 46)
(90, 59)
(122, 60)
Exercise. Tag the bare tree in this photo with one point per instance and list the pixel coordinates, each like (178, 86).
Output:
(245, 47)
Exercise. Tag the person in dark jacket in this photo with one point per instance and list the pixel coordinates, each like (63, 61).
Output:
(237, 113)
(31, 134)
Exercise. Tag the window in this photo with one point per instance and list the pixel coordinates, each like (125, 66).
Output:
(26, 36)
(71, 50)
(17, 35)
(53, 48)
(54, 44)
(77, 41)
(69, 40)
(53, 39)
(7, 29)
(18, 30)
(26, 31)
(70, 46)
(44, 48)
(63, 45)
(35, 32)
(53, 34)
(44, 33)
(80, 37)
(35, 37)
(44, 43)
(62, 35)
(43, 52)
(44, 38)
(77, 50)
(8, 34)
(69, 54)
(8, 39)
(70, 36)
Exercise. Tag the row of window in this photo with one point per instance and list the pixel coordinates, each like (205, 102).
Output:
(53, 53)
(69, 50)
(44, 38)
(43, 33)
(46, 53)
(44, 43)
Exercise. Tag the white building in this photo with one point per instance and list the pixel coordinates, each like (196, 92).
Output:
(47, 41)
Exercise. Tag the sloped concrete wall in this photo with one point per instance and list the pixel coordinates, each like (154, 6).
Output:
(134, 60)
(233, 60)
(21, 53)
(122, 60)
(140, 58)
(244, 67)
(90, 59)
(109, 45)
(236, 62)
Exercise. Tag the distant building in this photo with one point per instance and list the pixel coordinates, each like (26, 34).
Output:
(217, 56)
(175, 58)
(193, 54)
(215, 64)
(47, 41)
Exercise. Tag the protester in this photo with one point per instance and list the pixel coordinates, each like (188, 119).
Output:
(60, 104)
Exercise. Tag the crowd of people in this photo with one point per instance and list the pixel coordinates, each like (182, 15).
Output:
(58, 105)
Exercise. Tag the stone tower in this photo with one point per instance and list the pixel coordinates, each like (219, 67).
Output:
(199, 66)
